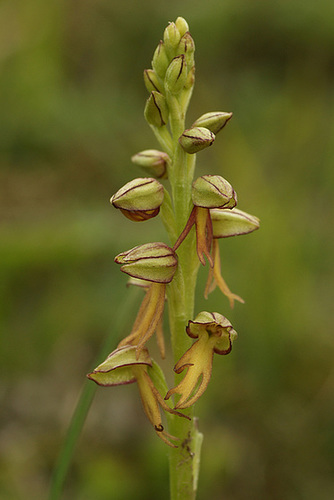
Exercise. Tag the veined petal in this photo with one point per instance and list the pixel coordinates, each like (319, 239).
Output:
(155, 262)
(148, 319)
(198, 362)
(203, 234)
(215, 278)
(232, 222)
(152, 400)
(117, 369)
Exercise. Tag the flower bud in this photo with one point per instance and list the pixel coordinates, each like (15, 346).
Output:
(195, 139)
(217, 326)
(187, 47)
(181, 25)
(139, 199)
(153, 161)
(233, 222)
(151, 80)
(156, 110)
(155, 262)
(172, 38)
(213, 191)
(176, 75)
(117, 369)
(214, 121)
(160, 60)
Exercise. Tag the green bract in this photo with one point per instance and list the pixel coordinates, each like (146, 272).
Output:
(182, 25)
(213, 191)
(187, 47)
(151, 81)
(155, 262)
(160, 60)
(172, 38)
(176, 75)
(156, 109)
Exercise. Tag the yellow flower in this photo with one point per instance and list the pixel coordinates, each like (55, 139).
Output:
(123, 366)
(226, 223)
(148, 320)
(215, 334)
(208, 191)
(156, 264)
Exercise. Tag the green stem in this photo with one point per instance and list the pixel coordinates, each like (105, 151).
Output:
(183, 460)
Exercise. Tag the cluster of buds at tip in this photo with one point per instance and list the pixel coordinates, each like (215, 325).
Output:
(172, 72)
(139, 199)
(214, 334)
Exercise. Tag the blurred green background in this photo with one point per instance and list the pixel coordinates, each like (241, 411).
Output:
(71, 100)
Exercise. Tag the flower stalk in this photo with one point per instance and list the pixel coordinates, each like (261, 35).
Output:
(195, 213)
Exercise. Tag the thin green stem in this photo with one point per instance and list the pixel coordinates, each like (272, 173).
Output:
(164, 138)
(83, 405)
(183, 460)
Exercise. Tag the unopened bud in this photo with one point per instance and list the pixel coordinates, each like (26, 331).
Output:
(214, 121)
(152, 161)
(139, 199)
(213, 191)
(160, 60)
(233, 222)
(151, 80)
(187, 47)
(156, 110)
(181, 25)
(195, 139)
(172, 38)
(176, 75)
(155, 262)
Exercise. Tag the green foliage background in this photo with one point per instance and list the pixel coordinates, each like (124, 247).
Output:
(71, 100)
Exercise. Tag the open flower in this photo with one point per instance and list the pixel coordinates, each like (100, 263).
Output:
(156, 264)
(123, 366)
(209, 191)
(215, 334)
(226, 223)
